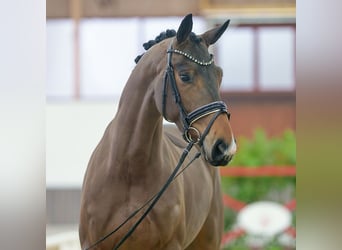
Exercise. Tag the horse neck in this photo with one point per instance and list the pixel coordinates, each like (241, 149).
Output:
(138, 122)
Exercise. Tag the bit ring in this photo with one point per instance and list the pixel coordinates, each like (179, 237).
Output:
(188, 136)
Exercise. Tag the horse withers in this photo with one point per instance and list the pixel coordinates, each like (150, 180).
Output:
(176, 79)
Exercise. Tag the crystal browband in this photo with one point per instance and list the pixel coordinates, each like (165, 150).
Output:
(203, 63)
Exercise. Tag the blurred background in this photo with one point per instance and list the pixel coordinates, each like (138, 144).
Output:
(91, 46)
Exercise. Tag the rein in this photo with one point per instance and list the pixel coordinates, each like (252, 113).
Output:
(216, 108)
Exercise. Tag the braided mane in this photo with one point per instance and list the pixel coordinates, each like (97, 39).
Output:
(162, 36)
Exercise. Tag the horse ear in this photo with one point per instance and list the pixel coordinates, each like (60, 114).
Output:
(184, 28)
(211, 36)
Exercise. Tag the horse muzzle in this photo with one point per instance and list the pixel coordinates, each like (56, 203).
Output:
(221, 153)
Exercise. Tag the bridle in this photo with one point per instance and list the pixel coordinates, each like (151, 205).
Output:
(188, 118)
(216, 108)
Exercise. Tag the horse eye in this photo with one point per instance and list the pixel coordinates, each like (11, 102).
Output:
(185, 77)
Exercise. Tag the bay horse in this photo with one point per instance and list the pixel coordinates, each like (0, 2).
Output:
(176, 78)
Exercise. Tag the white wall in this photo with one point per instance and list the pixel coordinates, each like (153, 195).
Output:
(73, 129)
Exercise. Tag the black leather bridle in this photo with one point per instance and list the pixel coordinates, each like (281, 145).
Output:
(188, 118)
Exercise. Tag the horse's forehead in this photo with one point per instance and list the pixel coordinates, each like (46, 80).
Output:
(197, 48)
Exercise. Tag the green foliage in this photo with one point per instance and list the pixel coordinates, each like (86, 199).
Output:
(260, 151)
(240, 244)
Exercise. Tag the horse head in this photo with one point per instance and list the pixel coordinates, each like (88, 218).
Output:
(188, 93)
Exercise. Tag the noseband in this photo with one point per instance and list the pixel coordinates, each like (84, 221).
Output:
(189, 118)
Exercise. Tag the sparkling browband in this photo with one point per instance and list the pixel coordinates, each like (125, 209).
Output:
(203, 63)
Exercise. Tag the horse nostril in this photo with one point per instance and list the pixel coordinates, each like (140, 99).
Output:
(222, 147)
(219, 150)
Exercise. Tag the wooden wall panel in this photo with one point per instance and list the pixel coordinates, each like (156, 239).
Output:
(127, 8)
(58, 8)
(274, 112)
(249, 2)
(123, 8)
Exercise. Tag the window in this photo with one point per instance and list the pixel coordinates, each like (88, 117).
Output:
(107, 49)
(258, 58)
(253, 57)
(235, 56)
(60, 52)
(276, 58)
